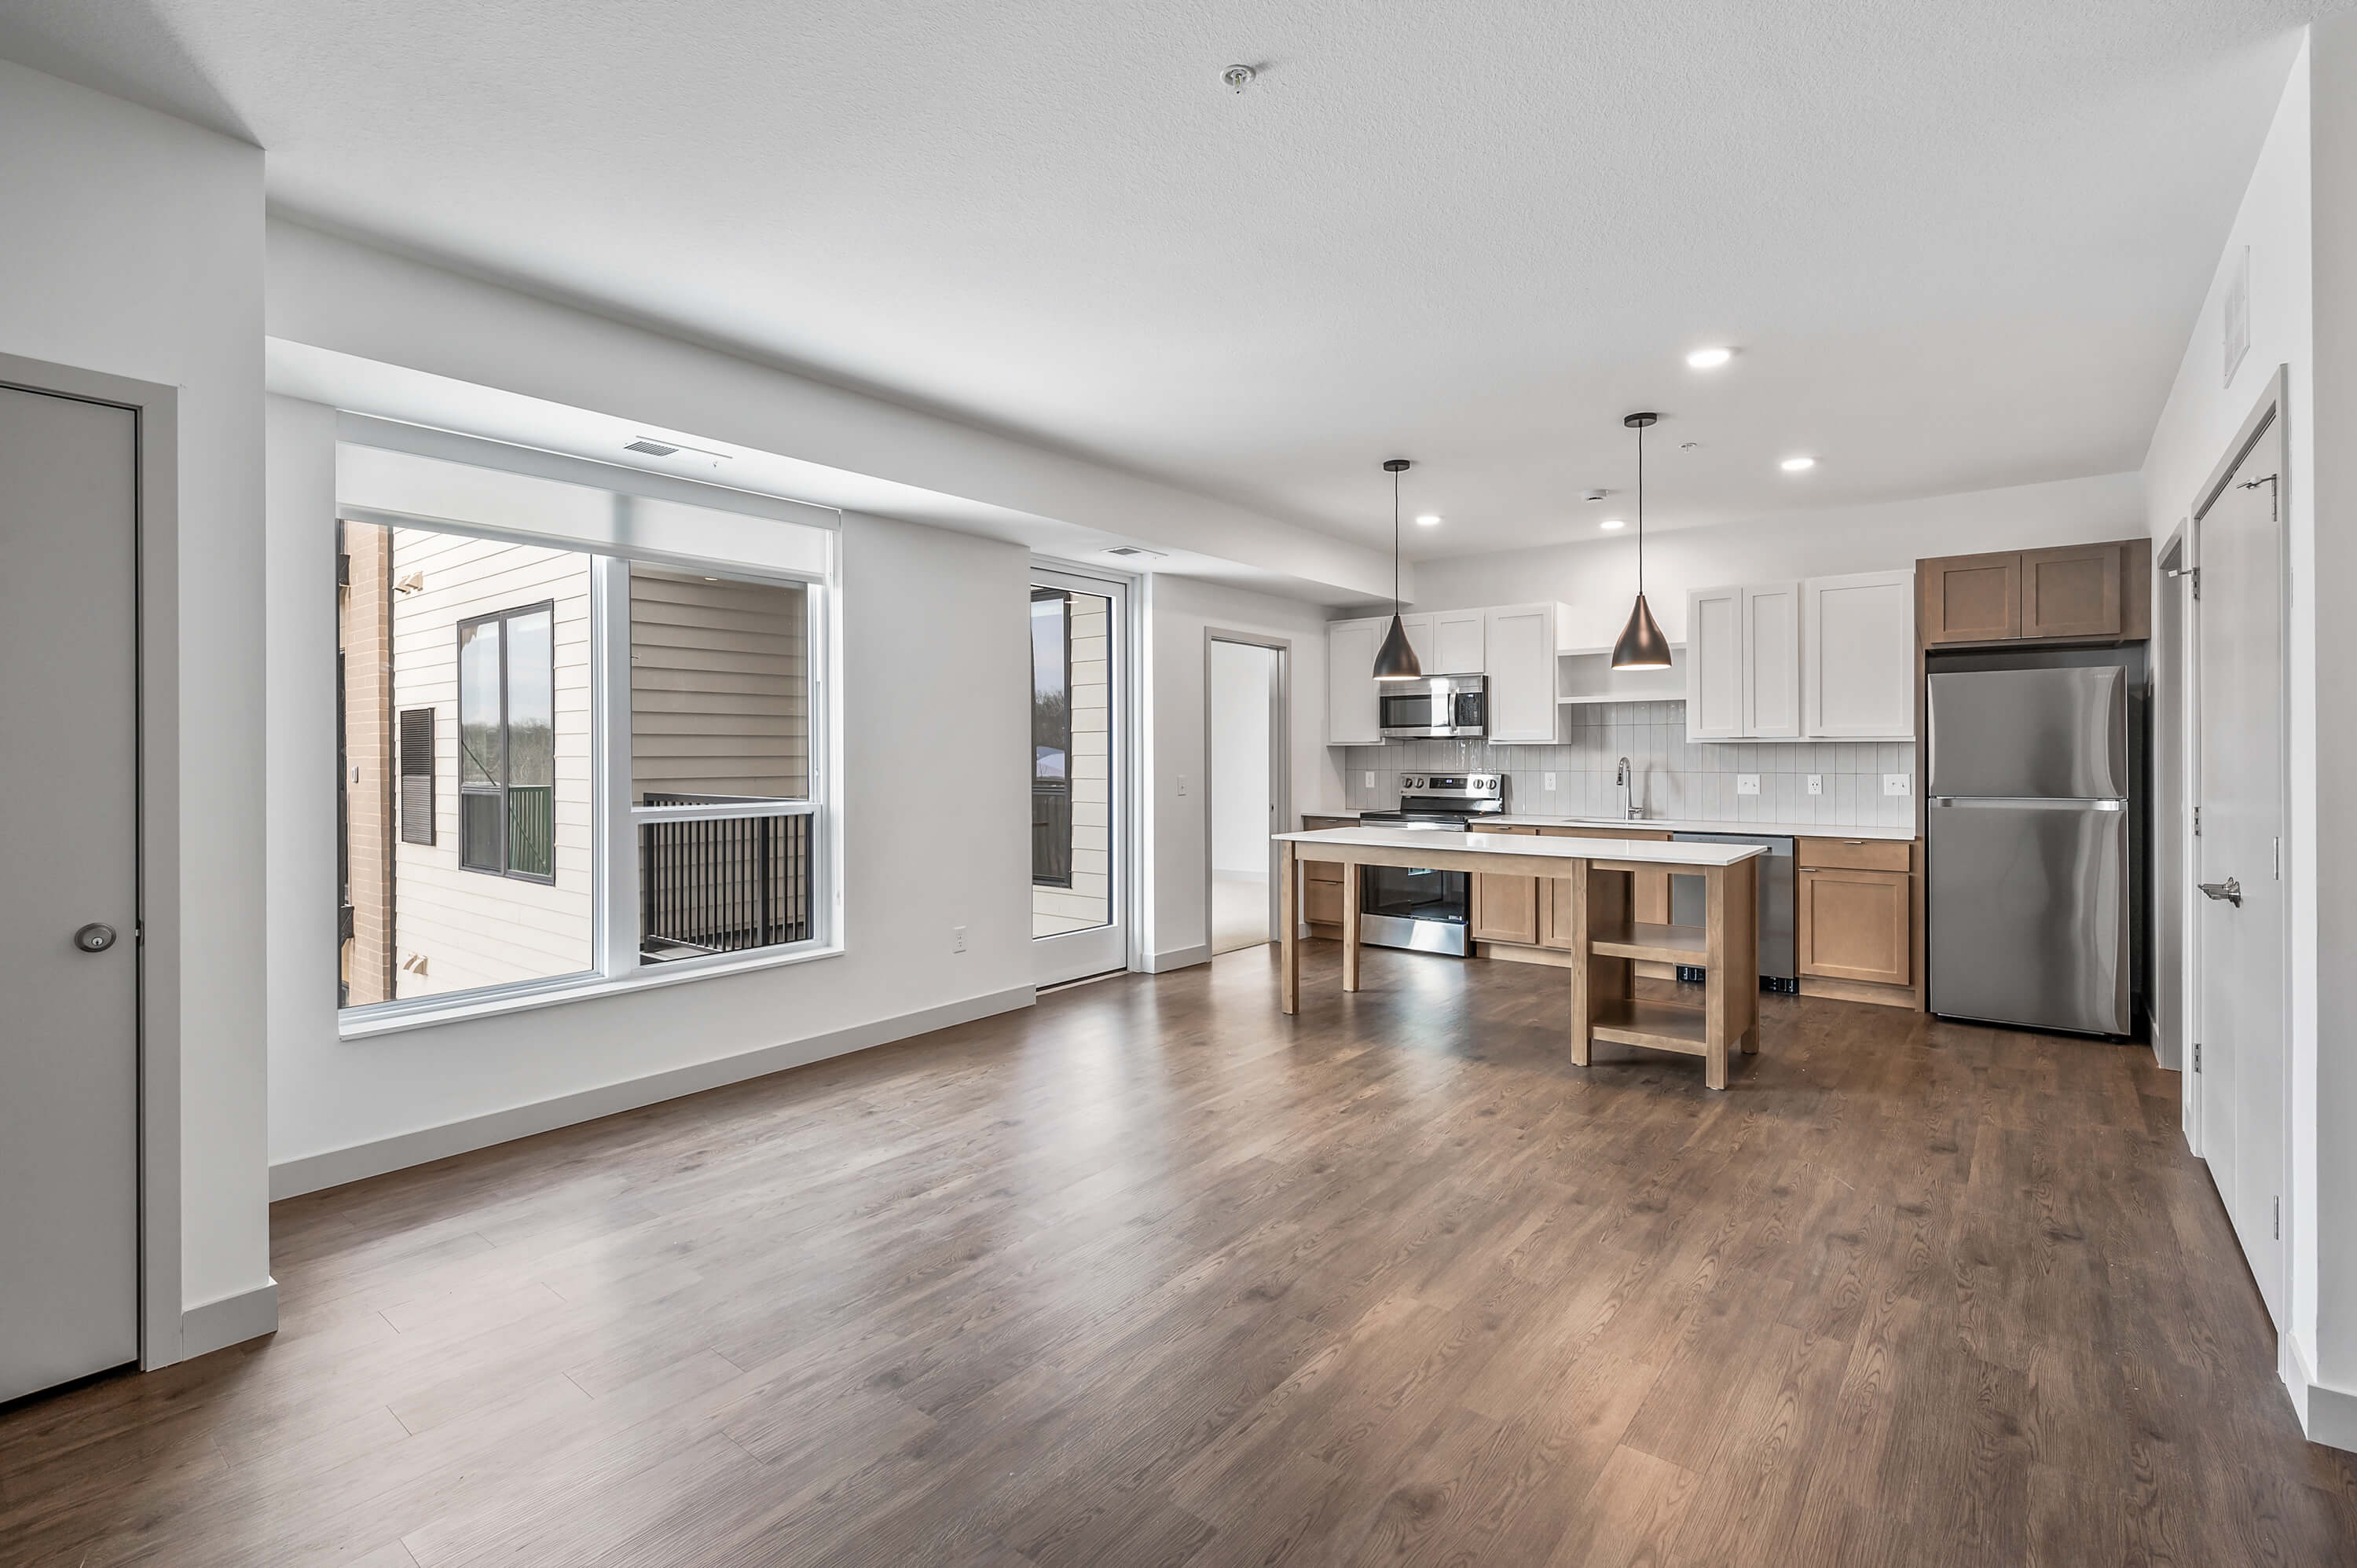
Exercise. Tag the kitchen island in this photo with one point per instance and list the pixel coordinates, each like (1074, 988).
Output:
(1607, 938)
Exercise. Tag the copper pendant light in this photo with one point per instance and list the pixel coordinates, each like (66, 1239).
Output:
(1642, 644)
(1396, 660)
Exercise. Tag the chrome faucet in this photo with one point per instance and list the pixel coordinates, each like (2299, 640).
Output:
(1626, 781)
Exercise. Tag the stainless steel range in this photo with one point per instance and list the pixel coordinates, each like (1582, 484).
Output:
(1427, 910)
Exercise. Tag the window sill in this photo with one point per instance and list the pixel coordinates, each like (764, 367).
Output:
(466, 1008)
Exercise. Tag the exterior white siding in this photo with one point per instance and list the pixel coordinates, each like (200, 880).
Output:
(1089, 900)
(457, 929)
(719, 686)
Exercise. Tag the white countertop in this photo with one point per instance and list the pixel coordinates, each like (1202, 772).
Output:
(1658, 851)
(1688, 825)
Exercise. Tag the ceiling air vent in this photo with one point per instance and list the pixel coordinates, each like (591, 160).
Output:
(1132, 552)
(651, 447)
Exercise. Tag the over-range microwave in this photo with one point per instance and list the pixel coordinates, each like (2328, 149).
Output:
(1434, 705)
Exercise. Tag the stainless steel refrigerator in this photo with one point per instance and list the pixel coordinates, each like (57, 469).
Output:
(2028, 843)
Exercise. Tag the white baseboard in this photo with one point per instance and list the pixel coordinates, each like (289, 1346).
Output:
(231, 1320)
(1178, 958)
(2329, 1415)
(357, 1162)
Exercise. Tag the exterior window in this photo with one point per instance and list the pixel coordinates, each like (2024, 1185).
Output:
(560, 765)
(507, 742)
(720, 763)
(1052, 737)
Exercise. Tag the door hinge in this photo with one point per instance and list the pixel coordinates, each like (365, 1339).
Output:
(2197, 1055)
(2197, 821)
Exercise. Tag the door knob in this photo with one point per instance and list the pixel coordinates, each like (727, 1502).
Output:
(2229, 890)
(94, 937)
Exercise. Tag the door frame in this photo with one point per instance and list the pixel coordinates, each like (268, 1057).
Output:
(1280, 765)
(1125, 900)
(2270, 411)
(2175, 693)
(154, 409)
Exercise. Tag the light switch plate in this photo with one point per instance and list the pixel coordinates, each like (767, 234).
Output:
(1746, 783)
(1898, 784)
(1182, 786)
(1816, 783)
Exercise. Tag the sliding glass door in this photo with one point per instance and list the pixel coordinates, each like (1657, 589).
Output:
(1080, 724)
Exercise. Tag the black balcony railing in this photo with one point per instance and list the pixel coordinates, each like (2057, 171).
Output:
(1051, 833)
(724, 884)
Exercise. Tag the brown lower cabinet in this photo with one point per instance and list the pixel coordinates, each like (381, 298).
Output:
(1322, 884)
(1854, 923)
(1529, 917)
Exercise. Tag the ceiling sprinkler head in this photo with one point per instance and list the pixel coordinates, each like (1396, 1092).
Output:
(1238, 77)
(1596, 495)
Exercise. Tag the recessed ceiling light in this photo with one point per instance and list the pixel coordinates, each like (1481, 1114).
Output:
(1797, 465)
(1709, 358)
(1611, 522)
(1429, 520)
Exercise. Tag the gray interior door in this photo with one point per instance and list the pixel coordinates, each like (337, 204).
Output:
(68, 762)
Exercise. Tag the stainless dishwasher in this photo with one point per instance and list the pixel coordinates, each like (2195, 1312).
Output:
(1779, 968)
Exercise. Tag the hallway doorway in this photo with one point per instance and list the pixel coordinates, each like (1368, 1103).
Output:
(1244, 691)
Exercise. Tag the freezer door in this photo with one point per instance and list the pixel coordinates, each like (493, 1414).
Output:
(2027, 905)
(2052, 734)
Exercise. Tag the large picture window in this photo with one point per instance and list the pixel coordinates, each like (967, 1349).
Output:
(507, 742)
(565, 765)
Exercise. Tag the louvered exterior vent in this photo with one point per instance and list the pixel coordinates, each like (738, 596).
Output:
(417, 776)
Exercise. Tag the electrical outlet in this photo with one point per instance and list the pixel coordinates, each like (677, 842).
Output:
(1816, 783)
(1550, 783)
(1370, 778)
(1746, 783)
(1898, 784)
(957, 938)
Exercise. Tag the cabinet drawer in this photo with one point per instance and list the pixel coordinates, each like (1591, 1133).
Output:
(1857, 924)
(1321, 902)
(1855, 854)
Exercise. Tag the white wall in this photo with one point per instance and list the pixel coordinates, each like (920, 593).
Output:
(134, 247)
(1178, 923)
(2299, 220)
(1240, 720)
(935, 664)
(1598, 576)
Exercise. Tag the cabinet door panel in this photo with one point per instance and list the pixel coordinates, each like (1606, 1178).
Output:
(1859, 664)
(1419, 637)
(1352, 715)
(2073, 592)
(1855, 925)
(1321, 902)
(1521, 667)
(1970, 598)
(1505, 908)
(1714, 663)
(1771, 660)
(1458, 643)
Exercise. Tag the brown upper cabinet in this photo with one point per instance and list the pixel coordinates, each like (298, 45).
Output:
(2078, 593)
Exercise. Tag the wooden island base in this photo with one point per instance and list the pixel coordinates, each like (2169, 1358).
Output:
(1609, 941)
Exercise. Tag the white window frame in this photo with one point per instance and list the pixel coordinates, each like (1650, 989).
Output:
(616, 966)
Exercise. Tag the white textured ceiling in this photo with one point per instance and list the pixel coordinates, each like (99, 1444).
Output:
(1958, 245)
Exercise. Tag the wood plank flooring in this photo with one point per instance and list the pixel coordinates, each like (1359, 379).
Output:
(1151, 1276)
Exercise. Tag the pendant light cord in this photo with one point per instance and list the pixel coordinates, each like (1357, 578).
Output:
(1395, 544)
(1641, 511)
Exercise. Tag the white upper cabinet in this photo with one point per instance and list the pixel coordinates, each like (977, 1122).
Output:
(1459, 645)
(1352, 715)
(1714, 663)
(1860, 665)
(1771, 660)
(1419, 639)
(1519, 657)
